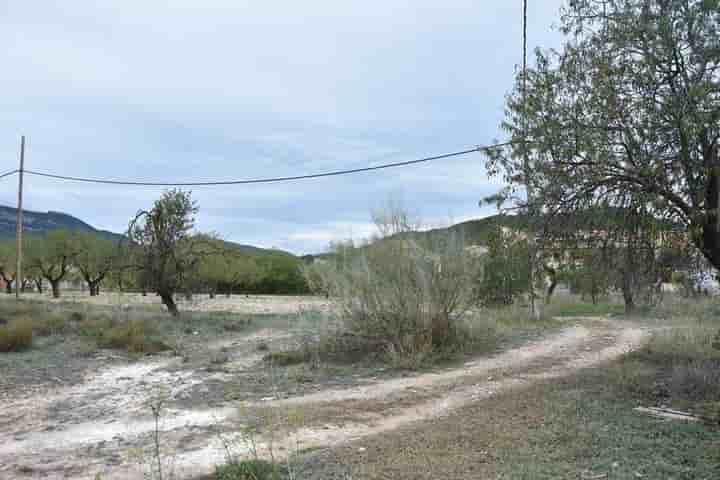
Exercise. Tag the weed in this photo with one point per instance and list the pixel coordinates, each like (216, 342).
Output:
(134, 336)
(287, 358)
(249, 470)
(17, 335)
(51, 324)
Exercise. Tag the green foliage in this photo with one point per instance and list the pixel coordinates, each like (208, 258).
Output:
(250, 470)
(16, 335)
(95, 257)
(162, 245)
(505, 273)
(280, 273)
(51, 256)
(226, 269)
(626, 113)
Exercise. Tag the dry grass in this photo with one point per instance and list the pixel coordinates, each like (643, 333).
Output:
(16, 335)
(135, 336)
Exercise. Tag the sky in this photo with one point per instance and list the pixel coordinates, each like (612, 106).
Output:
(237, 89)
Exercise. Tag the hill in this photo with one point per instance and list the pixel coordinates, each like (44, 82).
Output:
(38, 223)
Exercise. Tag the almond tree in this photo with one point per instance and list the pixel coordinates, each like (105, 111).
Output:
(163, 246)
(51, 256)
(94, 258)
(626, 114)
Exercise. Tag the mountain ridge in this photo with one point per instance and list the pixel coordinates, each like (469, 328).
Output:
(39, 223)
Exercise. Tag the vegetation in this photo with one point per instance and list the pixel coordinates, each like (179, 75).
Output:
(163, 247)
(625, 114)
(51, 256)
(16, 335)
(249, 470)
(505, 268)
(95, 258)
(402, 295)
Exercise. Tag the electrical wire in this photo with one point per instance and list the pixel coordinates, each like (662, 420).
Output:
(7, 174)
(265, 180)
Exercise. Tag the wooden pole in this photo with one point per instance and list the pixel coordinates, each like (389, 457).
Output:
(19, 229)
(534, 310)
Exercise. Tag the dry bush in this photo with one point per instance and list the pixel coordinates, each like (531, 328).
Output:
(404, 293)
(135, 336)
(16, 335)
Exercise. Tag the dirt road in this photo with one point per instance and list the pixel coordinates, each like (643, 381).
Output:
(102, 425)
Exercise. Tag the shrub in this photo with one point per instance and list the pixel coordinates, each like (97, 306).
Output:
(287, 358)
(134, 336)
(16, 335)
(50, 324)
(405, 293)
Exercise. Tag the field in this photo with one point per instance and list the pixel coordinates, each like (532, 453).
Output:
(112, 387)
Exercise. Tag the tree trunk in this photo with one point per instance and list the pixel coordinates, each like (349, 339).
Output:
(708, 241)
(552, 273)
(94, 288)
(212, 294)
(55, 288)
(169, 302)
(627, 290)
(8, 287)
(39, 285)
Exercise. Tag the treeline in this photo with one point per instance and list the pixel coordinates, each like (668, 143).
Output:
(208, 265)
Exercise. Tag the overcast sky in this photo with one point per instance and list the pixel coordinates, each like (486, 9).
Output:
(232, 89)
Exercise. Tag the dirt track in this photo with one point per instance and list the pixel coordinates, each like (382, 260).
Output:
(94, 427)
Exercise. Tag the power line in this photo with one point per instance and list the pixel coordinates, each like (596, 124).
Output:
(266, 180)
(7, 174)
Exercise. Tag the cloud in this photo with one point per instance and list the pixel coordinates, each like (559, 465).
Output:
(243, 89)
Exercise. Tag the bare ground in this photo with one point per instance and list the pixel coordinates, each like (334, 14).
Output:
(101, 424)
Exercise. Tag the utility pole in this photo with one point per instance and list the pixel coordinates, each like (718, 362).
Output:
(534, 310)
(19, 229)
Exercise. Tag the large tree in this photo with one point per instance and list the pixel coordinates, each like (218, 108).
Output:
(163, 245)
(626, 114)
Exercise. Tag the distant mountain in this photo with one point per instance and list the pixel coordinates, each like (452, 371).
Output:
(38, 223)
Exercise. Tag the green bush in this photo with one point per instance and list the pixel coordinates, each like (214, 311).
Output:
(16, 335)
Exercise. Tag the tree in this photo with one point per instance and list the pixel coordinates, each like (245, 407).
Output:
(505, 268)
(626, 114)
(8, 265)
(94, 258)
(51, 256)
(226, 268)
(163, 247)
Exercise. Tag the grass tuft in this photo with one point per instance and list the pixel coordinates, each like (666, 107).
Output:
(249, 470)
(135, 336)
(16, 335)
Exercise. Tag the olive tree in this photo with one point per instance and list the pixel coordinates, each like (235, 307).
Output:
(627, 114)
(163, 246)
